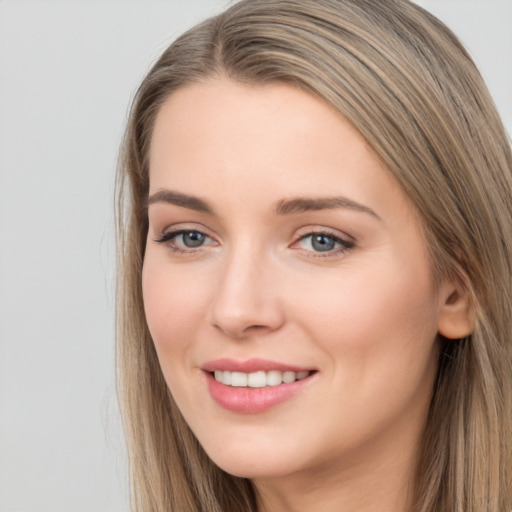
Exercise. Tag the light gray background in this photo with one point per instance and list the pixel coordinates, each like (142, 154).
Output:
(68, 69)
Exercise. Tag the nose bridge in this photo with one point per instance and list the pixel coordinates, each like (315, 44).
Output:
(246, 298)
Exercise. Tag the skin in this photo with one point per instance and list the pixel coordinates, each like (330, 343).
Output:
(365, 315)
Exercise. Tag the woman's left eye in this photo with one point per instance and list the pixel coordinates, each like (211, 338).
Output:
(323, 243)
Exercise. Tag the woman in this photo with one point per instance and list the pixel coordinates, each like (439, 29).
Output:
(315, 284)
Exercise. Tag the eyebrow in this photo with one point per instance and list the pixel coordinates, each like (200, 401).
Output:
(282, 207)
(304, 204)
(178, 199)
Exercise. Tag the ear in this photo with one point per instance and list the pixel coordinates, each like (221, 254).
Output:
(456, 315)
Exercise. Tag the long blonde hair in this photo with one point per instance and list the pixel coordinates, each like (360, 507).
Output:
(406, 83)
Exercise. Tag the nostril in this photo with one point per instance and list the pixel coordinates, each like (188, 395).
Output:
(240, 331)
(256, 327)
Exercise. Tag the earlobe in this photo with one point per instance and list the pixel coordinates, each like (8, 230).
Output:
(456, 316)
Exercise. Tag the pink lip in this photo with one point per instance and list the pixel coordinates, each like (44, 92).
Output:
(252, 400)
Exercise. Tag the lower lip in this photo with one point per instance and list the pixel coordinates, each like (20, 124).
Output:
(253, 400)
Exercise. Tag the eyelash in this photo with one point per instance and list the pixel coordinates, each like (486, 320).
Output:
(168, 240)
(344, 245)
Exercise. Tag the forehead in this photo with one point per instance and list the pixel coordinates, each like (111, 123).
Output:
(221, 108)
(271, 141)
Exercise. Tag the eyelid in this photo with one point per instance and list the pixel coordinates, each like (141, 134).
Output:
(163, 230)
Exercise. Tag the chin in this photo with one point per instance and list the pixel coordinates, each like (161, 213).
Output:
(244, 465)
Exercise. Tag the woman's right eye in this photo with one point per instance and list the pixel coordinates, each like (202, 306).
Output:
(184, 240)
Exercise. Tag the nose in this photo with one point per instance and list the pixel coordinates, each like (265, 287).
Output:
(246, 300)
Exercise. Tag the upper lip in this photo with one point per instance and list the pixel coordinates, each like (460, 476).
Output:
(250, 365)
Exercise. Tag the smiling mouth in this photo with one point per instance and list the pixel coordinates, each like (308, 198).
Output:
(256, 385)
(259, 379)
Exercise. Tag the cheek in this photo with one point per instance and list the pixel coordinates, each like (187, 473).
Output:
(174, 303)
(376, 321)
(379, 335)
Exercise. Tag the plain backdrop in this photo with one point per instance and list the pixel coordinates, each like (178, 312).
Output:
(68, 69)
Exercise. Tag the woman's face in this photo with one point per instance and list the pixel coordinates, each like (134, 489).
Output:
(286, 284)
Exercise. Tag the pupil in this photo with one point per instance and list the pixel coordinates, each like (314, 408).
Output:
(323, 243)
(193, 239)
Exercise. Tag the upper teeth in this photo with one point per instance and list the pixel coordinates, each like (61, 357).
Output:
(258, 379)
